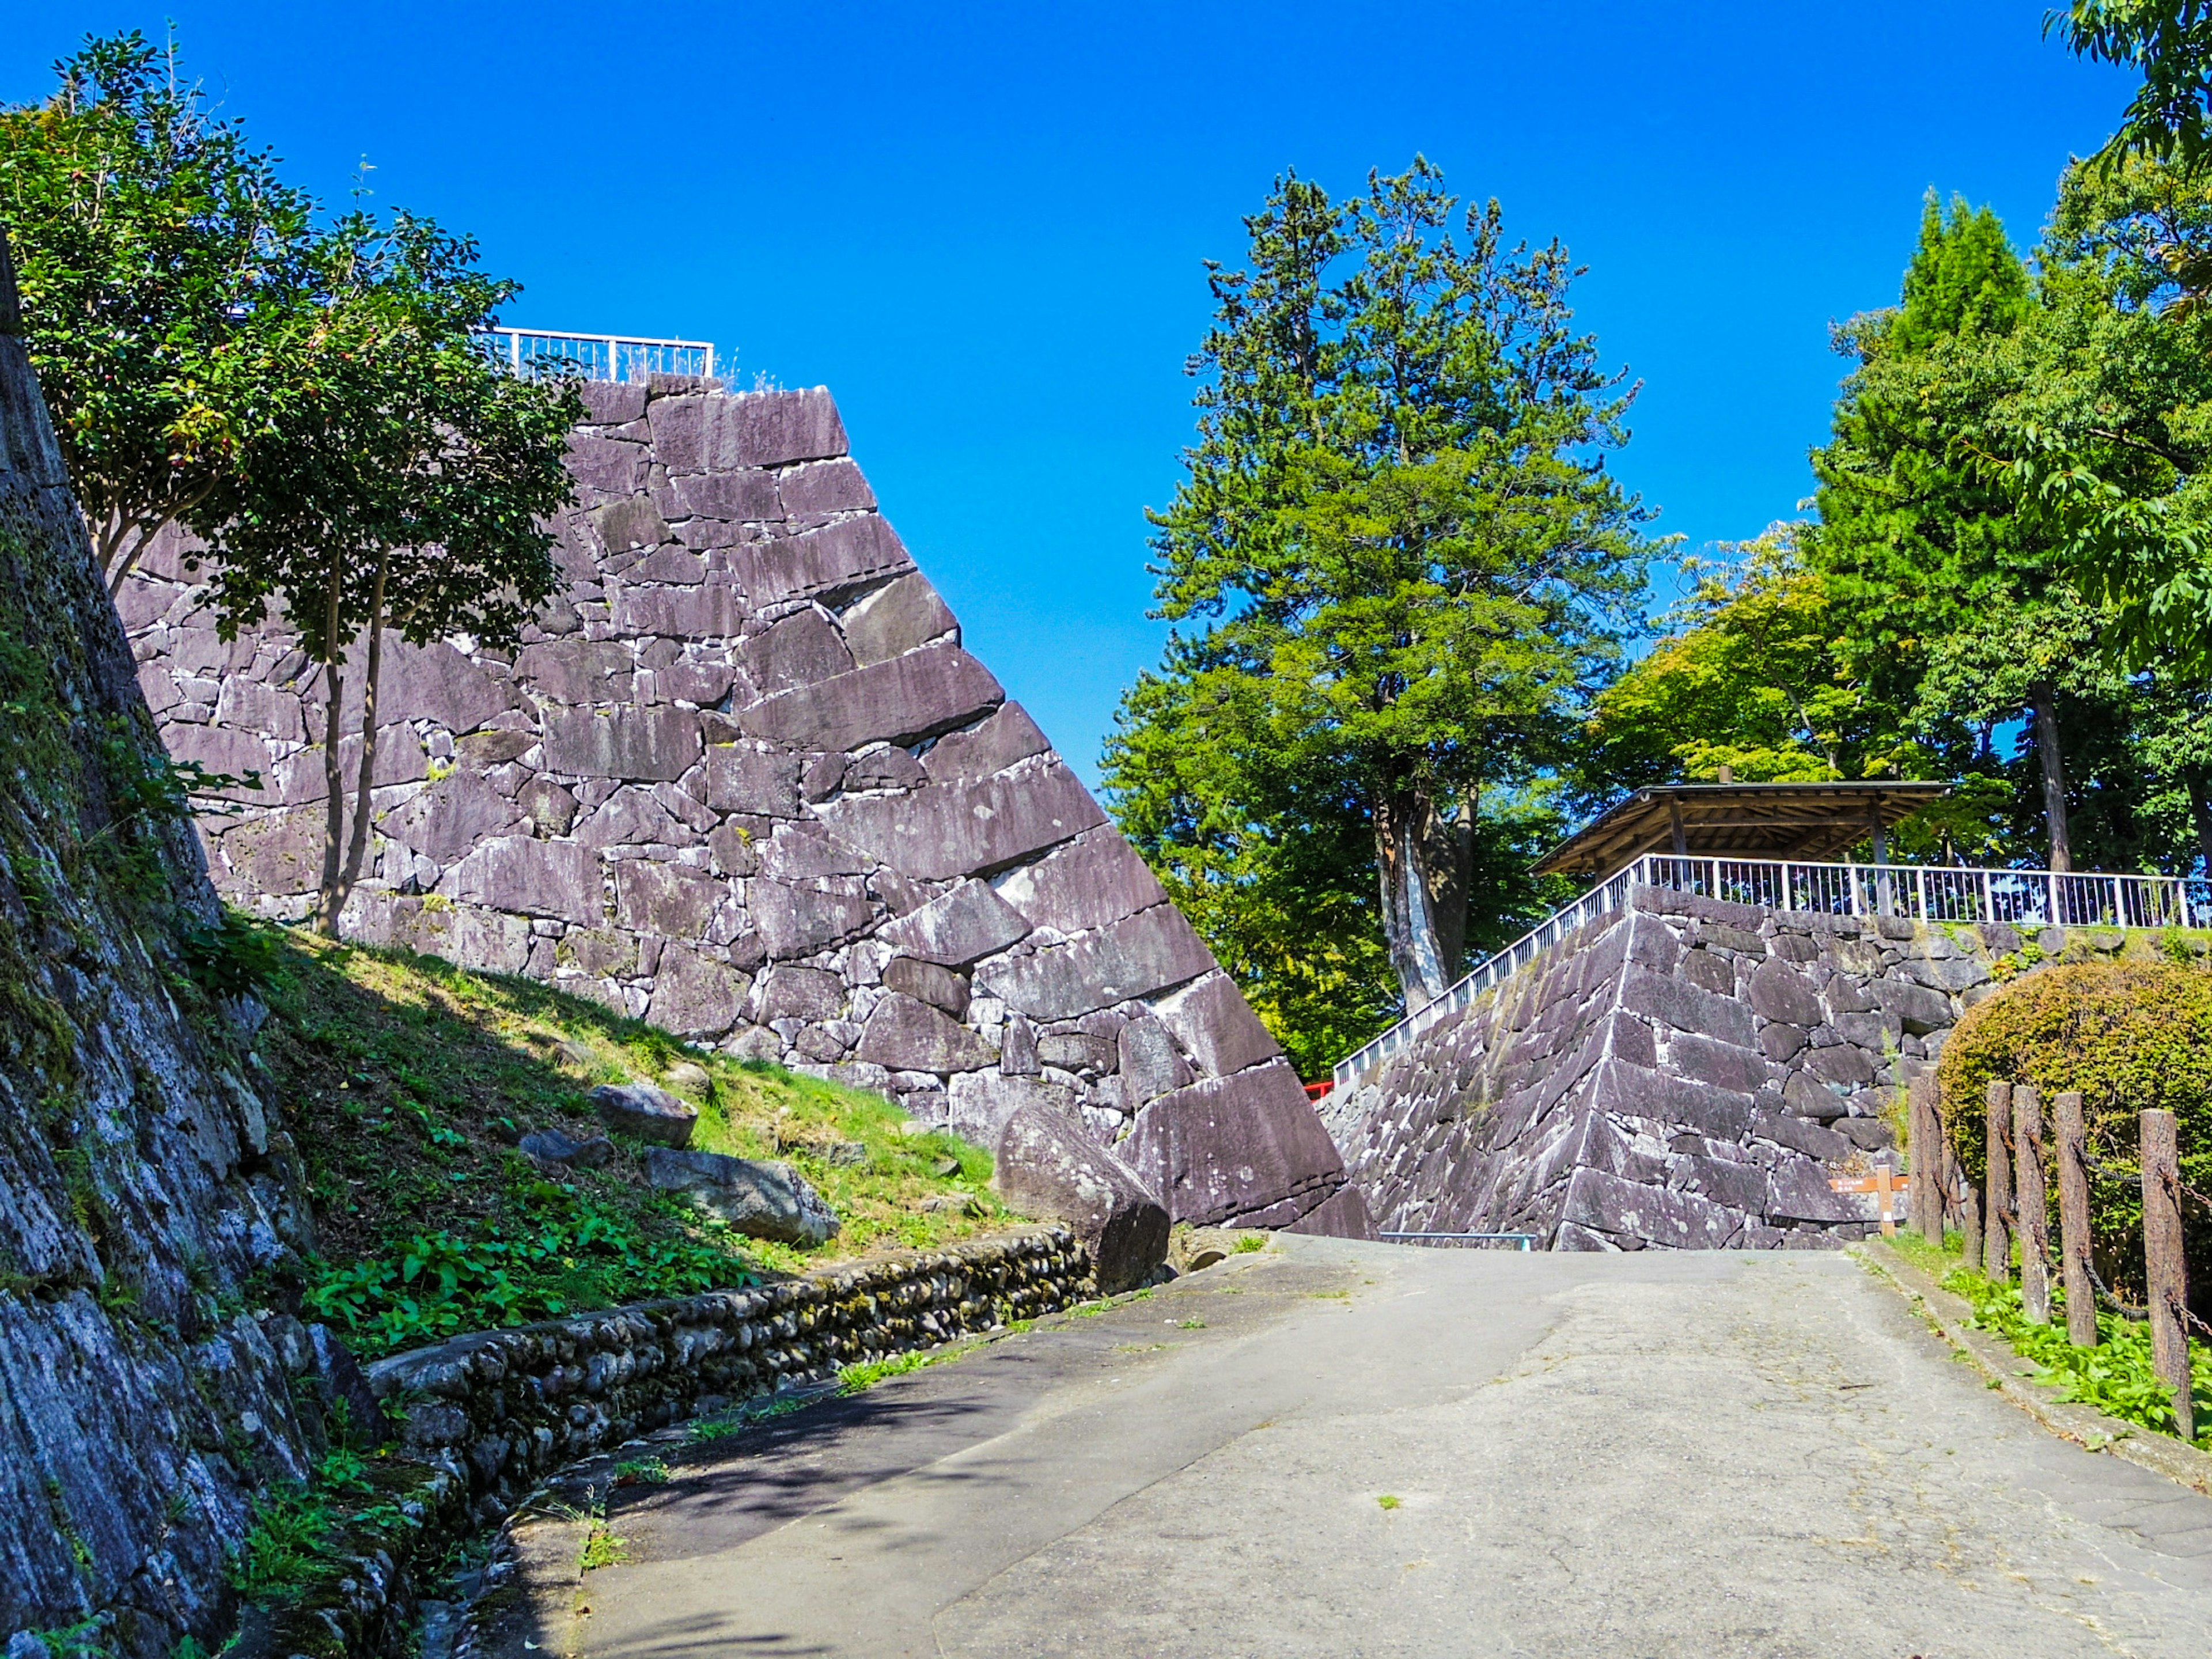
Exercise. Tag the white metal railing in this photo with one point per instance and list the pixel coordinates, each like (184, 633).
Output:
(2030, 899)
(597, 356)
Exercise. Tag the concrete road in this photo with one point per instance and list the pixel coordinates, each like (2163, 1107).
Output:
(1338, 1448)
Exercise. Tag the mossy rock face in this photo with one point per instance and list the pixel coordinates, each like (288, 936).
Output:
(2129, 1036)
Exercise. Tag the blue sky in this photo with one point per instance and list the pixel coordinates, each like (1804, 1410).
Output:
(981, 225)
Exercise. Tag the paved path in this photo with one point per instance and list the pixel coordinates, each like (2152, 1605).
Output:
(1661, 1454)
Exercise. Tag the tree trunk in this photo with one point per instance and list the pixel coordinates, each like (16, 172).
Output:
(358, 847)
(2199, 812)
(1424, 906)
(2043, 702)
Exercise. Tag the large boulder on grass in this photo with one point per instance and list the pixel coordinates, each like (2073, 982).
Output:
(1049, 1168)
(760, 1198)
(650, 1113)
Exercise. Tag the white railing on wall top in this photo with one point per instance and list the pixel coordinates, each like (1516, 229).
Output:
(597, 356)
(2026, 898)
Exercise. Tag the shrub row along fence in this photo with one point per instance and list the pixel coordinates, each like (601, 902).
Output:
(2012, 1209)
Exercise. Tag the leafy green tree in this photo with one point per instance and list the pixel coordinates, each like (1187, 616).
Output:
(2170, 41)
(1947, 600)
(1398, 566)
(161, 265)
(407, 487)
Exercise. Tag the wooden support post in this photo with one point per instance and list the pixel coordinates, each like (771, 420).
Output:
(1926, 1194)
(2033, 1228)
(1970, 1224)
(1996, 1242)
(2074, 1221)
(2165, 1272)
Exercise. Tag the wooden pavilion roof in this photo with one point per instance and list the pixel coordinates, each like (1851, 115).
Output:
(1812, 822)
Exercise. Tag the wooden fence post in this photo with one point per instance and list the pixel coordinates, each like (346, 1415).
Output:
(2032, 1226)
(1927, 1128)
(1996, 1242)
(2166, 1274)
(1970, 1224)
(2074, 1221)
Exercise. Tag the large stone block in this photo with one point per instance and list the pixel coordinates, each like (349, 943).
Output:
(279, 853)
(534, 877)
(824, 564)
(1640, 1091)
(1797, 1190)
(613, 403)
(1146, 953)
(1685, 1007)
(676, 900)
(789, 992)
(1777, 991)
(578, 670)
(1006, 736)
(1918, 1008)
(744, 495)
(1626, 1210)
(607, 466)
(1215, 1026)
(824, 487)
(646, 1111)
(958, 929)
(713, 611)
(1705, 1059)
(1800, 1134)
(752, 777)
(436, 681)
(1094, 880)
(1045, 1166)
(905, 699)
(968, 828)
(803, 647)
(940, 988)
(980, 1103)
(769, 428)
(653, 745)
(449, 817)
(907, 1034)
(695, 996)
(760, 1198)
(897, 617)
(1343, 1214)
(1233, 1146)
(461, 933)
(799, 921)
(1150, 1066)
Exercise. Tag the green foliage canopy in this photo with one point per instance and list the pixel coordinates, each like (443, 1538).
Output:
(1398, 566)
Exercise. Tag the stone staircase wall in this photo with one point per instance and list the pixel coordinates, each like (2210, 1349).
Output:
(743, 780)
(1684, 1072)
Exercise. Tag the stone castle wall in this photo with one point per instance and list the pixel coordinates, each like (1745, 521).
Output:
(1683, 1072)
(742, 780)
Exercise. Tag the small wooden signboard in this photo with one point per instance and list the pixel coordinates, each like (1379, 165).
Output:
(1883, 1183)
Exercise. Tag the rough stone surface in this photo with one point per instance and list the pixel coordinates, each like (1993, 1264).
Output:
(761, 1198)
(1231, 1151)
(1682, 1072)
(1045, 1165)
(147, 1187)
(649, 1113)
(551, 1146)
(497, 1410)
(740, 779)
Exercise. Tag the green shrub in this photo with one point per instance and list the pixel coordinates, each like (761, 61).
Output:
(2129, 1036)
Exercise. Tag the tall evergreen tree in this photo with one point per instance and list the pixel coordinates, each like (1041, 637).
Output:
(1397, 562)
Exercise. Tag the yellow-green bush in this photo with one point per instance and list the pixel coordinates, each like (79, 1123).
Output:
(2129, 1036)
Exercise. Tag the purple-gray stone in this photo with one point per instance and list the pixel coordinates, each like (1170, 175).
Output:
(695, 996)
(940, 988)
(959, 928)
(800, 920)
(1046, 1166)
(1145, 953)
(1216, 1028)
(968, 828)
(1001, 739)
(649, 1113)
(650, 745)
(897, 617)
(1779, 992)
(905, 1034)
(551, 1146)
(801, 649)
(675, 900)
(534, 878)
(1150, 1067)
(822, 564)
(1233, 1146)
(904, 701)
(790, 992)
(824, 487)
(760, 1198)
(1093, 881)
(752, 777)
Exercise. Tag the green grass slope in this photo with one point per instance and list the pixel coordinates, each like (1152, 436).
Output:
(405, 1080)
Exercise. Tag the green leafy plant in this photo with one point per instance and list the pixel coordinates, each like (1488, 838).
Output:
(2117, 1376)
(602, 1548)
(1388, 1500)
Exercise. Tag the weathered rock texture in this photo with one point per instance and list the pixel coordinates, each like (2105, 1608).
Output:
(1682, 1072)
(741, 780)
(499, 1409)
(143, 1183)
